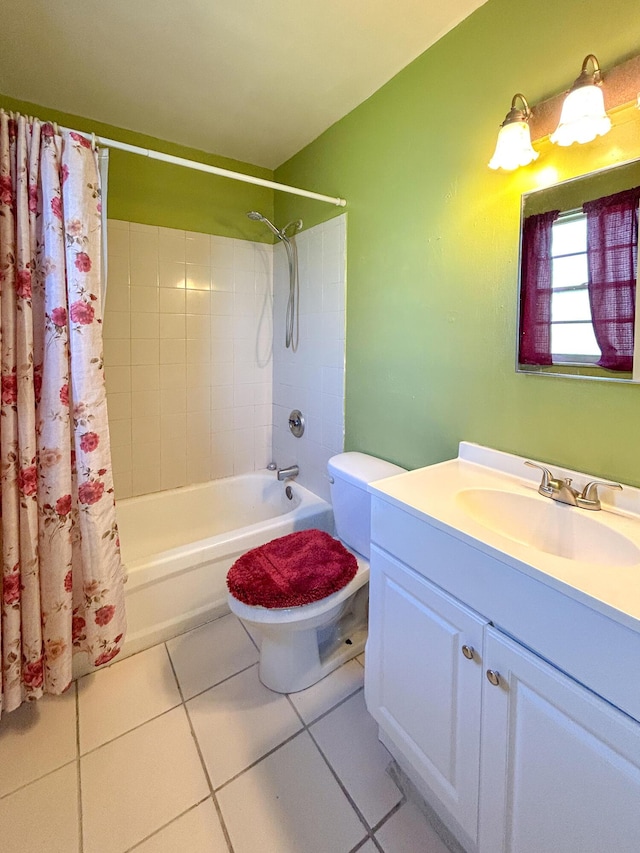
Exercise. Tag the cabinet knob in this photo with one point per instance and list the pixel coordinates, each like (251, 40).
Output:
(493, 677)
(468, 652)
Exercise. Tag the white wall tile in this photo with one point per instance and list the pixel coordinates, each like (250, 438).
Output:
(222, 278)
(144, 325)
(221, 253)
(169, 348)
(198, 277)
(171, 244)
(172, 274)
(144, 351)
(312, 379)
(144, 299)
(221, 354)
(198, 248)
(172, 301)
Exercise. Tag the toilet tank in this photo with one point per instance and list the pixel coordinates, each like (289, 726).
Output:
(350, 474)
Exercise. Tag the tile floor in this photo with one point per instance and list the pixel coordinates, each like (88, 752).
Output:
(182, 748)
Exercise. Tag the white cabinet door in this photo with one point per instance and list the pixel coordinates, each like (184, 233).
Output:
(421, 689)
(560, 766)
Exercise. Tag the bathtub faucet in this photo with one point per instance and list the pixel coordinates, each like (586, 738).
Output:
(287, 473)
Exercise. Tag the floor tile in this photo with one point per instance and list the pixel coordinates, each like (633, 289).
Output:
(197, 831)
(361, 658)
(348, 736)
(369, 847)
(239, 721)
(117, 699)
(289, 803)
(209, 654)
(253, 632)
(138, 783)
(321, 697)
(43, 816)
(35, 739)
(407, 831)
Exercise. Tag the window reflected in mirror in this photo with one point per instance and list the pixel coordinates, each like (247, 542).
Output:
(573, 338)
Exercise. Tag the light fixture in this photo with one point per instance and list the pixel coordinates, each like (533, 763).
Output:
(513, 147)
(583, 115)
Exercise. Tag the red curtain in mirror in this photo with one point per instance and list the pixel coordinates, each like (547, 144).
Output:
(535, 289)
(612, 253)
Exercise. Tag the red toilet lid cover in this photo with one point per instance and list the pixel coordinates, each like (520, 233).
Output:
(300, 568)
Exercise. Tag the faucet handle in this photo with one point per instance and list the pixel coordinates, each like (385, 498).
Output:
(589, 498)
(545, 487)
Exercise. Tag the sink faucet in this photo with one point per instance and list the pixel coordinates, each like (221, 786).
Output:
(286, 473)
(563, 492)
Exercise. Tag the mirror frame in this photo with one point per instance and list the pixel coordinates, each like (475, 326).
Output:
(578, 371)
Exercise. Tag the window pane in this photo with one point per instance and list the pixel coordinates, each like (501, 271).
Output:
(570, 305)
(569, 236)
(569, 272)
(574, 339)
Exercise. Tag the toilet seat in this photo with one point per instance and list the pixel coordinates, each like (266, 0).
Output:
(292, 571)
(302, 612)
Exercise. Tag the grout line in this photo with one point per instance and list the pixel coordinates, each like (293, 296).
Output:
(218, 683)
(79, 773)
(360, 845)
(395, 809)
(38, 778)
(165, 825)
(370, 829)
(248, 634)
(214, 799)
(329, 710)
(167, 710)
(344, 790)
(135, 728)
(350, 800)
(258, 760)
(304, 727)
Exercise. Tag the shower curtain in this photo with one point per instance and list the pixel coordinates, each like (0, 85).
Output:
(62, 576)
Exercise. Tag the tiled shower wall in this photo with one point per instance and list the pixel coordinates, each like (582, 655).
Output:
(188, 356)
(311, 379)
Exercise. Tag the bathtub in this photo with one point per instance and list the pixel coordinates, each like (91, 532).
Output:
(178, 545)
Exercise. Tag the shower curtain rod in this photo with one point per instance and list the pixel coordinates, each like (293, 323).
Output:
(212, 170)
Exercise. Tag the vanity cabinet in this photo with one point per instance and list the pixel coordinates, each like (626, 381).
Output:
(514, 754)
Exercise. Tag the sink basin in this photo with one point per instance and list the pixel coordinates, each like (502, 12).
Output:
(549, 526)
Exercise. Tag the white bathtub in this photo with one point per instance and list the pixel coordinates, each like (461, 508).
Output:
(178, 545)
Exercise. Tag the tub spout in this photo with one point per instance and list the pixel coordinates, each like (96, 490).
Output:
(287, 473)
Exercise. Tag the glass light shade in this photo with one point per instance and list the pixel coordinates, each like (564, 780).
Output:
(513, 148)
(583, 117)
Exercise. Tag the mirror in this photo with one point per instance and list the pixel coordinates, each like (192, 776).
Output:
(577, 277)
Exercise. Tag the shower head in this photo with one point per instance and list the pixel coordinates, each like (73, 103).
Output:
(258, 217)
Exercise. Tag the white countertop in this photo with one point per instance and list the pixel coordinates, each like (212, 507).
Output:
(431, 494)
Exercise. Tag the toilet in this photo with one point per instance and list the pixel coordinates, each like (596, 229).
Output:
(300, 645)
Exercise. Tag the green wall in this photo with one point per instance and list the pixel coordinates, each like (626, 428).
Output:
(433, 244)
(155, 193)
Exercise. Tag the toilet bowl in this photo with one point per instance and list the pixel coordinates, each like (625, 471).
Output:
(301, 645)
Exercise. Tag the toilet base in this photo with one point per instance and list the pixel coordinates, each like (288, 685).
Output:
(293, 660)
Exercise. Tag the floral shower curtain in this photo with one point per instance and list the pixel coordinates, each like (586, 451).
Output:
(62, 576)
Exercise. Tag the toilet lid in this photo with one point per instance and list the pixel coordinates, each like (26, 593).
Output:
(292, 570)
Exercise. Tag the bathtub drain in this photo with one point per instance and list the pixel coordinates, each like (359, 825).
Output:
(289, 492)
